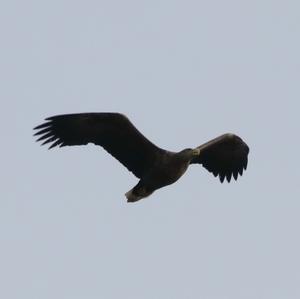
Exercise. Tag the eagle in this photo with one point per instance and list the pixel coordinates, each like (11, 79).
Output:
(225, 156)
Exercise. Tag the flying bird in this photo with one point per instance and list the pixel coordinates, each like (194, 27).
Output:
(225, 156)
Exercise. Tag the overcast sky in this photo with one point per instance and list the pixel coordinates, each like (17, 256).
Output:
(184, 72)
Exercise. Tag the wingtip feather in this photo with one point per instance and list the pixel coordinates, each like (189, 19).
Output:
(43, 125)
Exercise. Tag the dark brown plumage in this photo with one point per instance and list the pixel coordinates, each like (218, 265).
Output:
(224, 156)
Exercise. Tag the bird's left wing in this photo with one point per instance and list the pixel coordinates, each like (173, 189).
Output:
(113, 131)
(224, 156)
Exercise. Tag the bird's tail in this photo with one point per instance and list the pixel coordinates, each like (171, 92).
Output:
(132, 197)
(137, 193)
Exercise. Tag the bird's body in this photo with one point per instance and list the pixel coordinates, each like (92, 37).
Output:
(165, 171)
(224, 156)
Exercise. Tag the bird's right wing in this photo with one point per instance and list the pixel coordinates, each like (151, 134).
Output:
(224, 156)
(113, 131)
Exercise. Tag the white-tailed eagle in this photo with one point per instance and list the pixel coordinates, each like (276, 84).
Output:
(224, 156)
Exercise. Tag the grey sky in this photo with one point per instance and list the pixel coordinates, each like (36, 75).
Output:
(184, 72)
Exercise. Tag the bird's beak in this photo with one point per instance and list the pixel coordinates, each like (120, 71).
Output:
(196, 152)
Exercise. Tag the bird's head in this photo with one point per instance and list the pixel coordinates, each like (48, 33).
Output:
(190, 153)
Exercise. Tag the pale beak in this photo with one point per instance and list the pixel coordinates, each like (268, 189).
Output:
(196, 152)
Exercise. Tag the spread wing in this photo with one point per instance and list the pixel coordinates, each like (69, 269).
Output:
(224, 156)
(113, 131)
